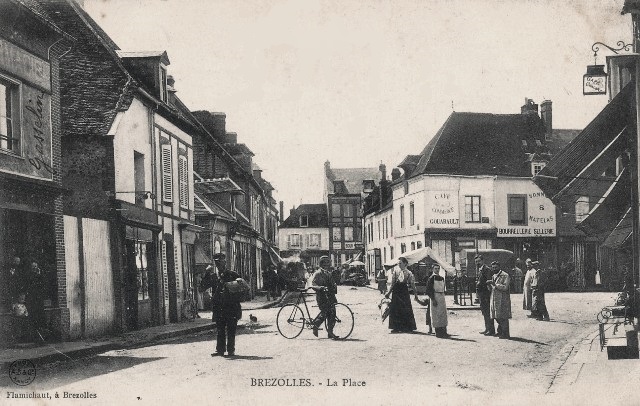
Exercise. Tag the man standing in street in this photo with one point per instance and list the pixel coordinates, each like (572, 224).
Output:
(483, 290)
(226, 312)
(539, 307)
(500, 299)
(326, 290)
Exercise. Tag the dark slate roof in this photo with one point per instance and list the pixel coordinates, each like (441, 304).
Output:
(89, 102)
(483, 144)
(317, 213)
(41, 12)
(220, 185)
(589, 144)
(351, 179)
(631, 6)
(559, 139)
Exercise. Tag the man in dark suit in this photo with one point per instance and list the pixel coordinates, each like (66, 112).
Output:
(326, 289)
(483, 290)
(226, 312)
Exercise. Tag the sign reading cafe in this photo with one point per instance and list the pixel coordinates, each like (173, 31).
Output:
(442, 209)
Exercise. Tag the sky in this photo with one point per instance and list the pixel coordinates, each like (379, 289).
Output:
(364, 82)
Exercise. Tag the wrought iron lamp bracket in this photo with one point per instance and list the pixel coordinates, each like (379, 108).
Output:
(622, 46)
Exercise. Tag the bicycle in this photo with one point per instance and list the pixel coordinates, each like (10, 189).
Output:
(291, 319)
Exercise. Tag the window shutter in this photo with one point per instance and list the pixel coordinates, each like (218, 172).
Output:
(167, 175)
(183, 176)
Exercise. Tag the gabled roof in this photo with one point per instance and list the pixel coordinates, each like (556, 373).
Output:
(483, 144)
(219, 185)
(316, 214)
(205, 207)
(351, 179)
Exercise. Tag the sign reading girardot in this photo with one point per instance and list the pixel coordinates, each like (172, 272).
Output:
(442, 209)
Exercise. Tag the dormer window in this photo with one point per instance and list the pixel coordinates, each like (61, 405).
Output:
(537, 167)
(304, 221)
(164, 94)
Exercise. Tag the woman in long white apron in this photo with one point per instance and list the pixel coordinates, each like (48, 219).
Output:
(435, 291)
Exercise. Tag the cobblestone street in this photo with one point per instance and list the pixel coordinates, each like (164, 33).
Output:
(371, 367)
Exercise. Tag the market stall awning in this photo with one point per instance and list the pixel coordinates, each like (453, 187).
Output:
(621, 233)
(605, 135)
(610, 208)
(419, 255)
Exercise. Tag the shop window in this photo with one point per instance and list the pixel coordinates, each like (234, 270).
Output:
(517, 210)
(141, 267)
(472, 209)
(9, 116)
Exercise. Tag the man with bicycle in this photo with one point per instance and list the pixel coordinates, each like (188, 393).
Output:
(326, 289)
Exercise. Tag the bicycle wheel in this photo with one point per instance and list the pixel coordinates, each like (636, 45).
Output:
(344, 321)
(290, 321)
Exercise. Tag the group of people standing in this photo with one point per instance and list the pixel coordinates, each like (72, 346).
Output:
(493, 288)
(403, 283)
(25, 294)
(533, 292)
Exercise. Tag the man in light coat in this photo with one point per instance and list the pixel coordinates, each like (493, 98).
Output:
(500, 299)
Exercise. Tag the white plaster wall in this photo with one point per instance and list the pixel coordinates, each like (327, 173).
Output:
(283, 234)
(132, 134)
(541, 212)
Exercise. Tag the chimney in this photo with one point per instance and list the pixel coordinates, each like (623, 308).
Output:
(327, 167)
(171, 82)
(220, 126)
(395, 173)
(257, 174)
(383, 172)
(281, 211)
(292, 210)
(529, 106)
(547, 118)
(231, 138)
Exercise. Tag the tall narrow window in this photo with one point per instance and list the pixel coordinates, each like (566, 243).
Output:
(164, 96)
(183, 177)
(9, 116)
(402, 216)
(472, 209)
(167, 174)
(412, 214)
(379, 231)
(138, 175)
(517, 210)
(391, 225)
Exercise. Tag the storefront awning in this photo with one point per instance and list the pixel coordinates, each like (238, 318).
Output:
(621, 233)
(610, 208)
(606, 134)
